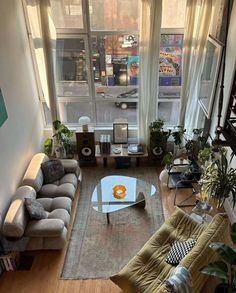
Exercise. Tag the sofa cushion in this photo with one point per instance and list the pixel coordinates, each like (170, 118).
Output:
(52, 170)
(35, 209)
(51, 190)
(69, 178)
(17, 217)
(60, 214)
(44, 228)
(70, 166)
(51, 204)
(178, 251)
(34, 175)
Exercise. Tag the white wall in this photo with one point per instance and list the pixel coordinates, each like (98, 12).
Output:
(22, 134)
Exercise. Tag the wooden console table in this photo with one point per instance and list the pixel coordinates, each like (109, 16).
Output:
(122, 154)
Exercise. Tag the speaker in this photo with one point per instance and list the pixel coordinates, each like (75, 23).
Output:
(86, 148)
(157, 147)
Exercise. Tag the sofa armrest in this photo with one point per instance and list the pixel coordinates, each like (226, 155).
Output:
(70, 166)
(44, 228)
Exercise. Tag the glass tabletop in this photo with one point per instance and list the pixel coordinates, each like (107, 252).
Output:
(104, 201)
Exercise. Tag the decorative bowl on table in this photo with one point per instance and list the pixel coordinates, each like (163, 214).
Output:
(119, 191)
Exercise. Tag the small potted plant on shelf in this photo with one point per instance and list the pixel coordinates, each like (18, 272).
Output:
(158, 139)
(225, 269)
(219, 179)
(60, 143)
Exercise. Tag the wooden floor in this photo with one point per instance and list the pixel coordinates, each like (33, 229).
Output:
(44, 275)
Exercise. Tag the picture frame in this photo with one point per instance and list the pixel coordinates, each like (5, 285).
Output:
(120, 133)
(210, 75)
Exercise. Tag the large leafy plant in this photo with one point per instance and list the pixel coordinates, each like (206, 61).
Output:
(60, 141)
(219, 179)
(224, 269)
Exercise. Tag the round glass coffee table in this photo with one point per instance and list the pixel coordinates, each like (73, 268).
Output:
(104, 200)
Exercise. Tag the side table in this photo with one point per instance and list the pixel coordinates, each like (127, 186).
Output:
(122, 154)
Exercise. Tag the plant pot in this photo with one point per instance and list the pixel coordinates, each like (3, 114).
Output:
(164, 176)
(223, 288)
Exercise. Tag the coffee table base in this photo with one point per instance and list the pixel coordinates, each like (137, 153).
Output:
(108, 218)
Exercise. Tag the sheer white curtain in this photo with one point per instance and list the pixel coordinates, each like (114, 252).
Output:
(43, 35)
(197, 24)
(151, 11)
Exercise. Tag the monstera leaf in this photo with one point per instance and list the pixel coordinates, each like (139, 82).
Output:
(218, 269)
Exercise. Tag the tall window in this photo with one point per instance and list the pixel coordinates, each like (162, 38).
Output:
(98, 60)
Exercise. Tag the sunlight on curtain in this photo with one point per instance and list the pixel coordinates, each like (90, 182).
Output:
(33, 12)
(151, 12)
(173, 13)
(197, 24)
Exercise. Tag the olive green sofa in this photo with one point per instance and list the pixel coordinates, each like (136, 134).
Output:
(148, 270)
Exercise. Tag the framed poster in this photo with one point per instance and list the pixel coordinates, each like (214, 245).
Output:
(210, 75)
(3, 110)
(120, 133)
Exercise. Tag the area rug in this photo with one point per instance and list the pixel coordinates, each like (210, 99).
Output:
(96, 249)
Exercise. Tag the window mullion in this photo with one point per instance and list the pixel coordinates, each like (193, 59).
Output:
(88, 49)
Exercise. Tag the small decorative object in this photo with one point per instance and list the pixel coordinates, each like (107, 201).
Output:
(223, 269)
(119, 191)
(84, 121)
(120, 133)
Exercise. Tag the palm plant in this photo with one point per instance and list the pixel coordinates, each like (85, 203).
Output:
(224, 269)
(219, 179)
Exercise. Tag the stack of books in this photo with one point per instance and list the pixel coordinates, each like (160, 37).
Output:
(105, 144)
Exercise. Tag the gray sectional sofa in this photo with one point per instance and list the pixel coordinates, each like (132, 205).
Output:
(56, 199)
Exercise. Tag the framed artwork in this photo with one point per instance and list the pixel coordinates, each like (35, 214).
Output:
(3, 110)
(209, 76)
(120, 133)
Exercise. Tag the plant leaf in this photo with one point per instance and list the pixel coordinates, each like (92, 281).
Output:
(226, 252)
(233, 233)
(218, 269)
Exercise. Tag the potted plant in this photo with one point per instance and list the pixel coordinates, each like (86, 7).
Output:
(224, 269)
(60, 143)
(194, 145)
(178, 135)
(158, 139)
(219, 179)
(168, 161)
(205, 156)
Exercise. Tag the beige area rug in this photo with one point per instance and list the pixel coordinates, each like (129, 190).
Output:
(96, 249)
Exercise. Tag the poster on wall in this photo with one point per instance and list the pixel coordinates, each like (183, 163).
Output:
(3, 110)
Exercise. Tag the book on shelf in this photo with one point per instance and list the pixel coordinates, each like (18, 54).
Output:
(135, 149)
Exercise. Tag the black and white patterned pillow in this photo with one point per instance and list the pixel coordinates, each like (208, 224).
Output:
(178, 251)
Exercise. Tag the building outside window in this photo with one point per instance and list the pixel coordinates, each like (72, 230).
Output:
(97, 61)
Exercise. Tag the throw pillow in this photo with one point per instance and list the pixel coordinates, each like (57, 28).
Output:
(178, 251)
(53, 170)
(35, 209)
(180, 281)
